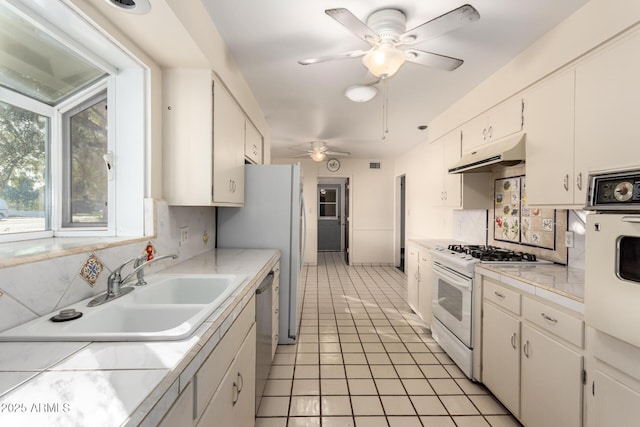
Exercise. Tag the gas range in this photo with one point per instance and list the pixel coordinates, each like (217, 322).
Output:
(463, 258)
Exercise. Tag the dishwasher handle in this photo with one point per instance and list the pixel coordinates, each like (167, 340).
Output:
(266, 283)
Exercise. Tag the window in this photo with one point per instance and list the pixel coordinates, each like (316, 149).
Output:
(328, 203)
(67, 167)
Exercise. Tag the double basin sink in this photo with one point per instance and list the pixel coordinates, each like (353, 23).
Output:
(169, 307)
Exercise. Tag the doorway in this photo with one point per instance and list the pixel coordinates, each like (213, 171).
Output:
(333, 216)
(400, 221)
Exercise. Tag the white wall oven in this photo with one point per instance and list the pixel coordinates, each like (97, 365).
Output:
(612, 288)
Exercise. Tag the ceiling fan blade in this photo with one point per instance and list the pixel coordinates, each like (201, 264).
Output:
(345, 55)
(433, 60)
(337, 153)
(440, 25)
(353, 24)
(301, 155)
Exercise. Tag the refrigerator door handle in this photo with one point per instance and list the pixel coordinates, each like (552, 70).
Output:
(303, 231)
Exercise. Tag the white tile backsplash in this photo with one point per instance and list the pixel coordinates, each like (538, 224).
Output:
(577, 220)
(470, 226)
(34, 289)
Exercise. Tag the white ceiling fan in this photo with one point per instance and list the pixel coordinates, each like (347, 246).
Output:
(319, 151)
(385, 31)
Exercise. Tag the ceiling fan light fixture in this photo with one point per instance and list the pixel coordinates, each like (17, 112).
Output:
(318, 156)
(361, 93)
(384, 61)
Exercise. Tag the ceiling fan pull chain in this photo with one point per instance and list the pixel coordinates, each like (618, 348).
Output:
(385, 110)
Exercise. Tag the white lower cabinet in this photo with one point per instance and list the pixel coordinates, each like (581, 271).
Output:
(234, 401)
(413, 278)
(532, 357)
(501, 356)
(181, 413)
(419, 282)
(275, 315)
(551, 381)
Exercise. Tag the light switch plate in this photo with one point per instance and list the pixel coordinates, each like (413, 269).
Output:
(184, 235)
(568, 239)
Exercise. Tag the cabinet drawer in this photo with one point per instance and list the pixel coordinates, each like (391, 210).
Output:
(557, 322)
(213, 369)
(501, 296)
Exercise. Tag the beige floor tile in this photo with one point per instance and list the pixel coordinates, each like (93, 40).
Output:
(402, 358)
(304, 422)
(373, 347)
(304, 406)
(425, 359)
(438, 421)
(332, 371)
(308, 348)
(358, 371)
(369, 338)
(352, 347)
(476, 421)
(308, 338)
(281, 372)
(434, 371)
(338, 422)
(365, 386)
(408, 421)
(383, 371)
(273, 406)
(409, 371)
(390, 387)
(335, 405)
(397, 405)
(277, 388)
(428, 405)
(488, 405)
(306, 388)
(284, 359)
(417, 386)
(271, 422)
(459, 405)
(378, 359)
(331, 358)
(329, 338)
(333, 387)
(329, 347)
(307, 372)
(395, 347)
(410, 338)
(371, 422)
(454, 371)
(282, 348)
(417, 347)
(307, 359)
(470, 387)
(349, 338)
(366, 405)
(502, 421)
(445, 386)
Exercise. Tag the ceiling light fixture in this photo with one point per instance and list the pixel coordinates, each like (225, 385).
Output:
(384, 61)
(361, 93)
(318, 156)
(139, 7)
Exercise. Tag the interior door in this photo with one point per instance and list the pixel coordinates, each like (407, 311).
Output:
(346, 220)
(329, 230)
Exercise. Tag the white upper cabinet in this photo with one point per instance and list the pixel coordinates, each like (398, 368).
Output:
(550, 144)
(252, 143)
(204, 139)
(502, 120)
(607, 108)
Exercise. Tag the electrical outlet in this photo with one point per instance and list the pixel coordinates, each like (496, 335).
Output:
(568, 239)
(184, 235)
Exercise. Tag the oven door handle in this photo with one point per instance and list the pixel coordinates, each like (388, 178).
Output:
(452, 279)
(633, 219)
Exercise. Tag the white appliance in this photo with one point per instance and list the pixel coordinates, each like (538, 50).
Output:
(612, 288)
(453, 296)
(273, 216)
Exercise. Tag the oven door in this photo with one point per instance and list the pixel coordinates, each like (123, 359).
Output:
(452, 298)
(612, 275)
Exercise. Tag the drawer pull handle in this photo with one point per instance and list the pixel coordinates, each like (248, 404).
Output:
(513, 340)
(498, 294)
(549, 318)
(525, 349)
(236, 394)
(241, 381)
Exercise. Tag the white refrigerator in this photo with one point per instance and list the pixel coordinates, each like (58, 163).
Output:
(273, 216)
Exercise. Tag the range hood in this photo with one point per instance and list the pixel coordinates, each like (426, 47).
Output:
(507, 151)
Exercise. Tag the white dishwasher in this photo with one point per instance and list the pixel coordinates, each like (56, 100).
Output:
(264, 310)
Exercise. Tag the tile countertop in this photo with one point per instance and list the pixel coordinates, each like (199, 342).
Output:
(432, 243)
(120, 383)
(548, 281)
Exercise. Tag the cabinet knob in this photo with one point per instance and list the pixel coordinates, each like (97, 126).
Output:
(579, 181)
(513, 340)
(525, 349)
(484, 134)
(490, 132)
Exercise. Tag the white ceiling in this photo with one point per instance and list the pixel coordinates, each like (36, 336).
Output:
(306, 103)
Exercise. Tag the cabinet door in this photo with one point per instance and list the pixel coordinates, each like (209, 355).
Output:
(474, 133)
(234, 401)
(551, 382)
(613, 403)
(452, 182)
(550, 144)
(181, 413)
(425, 269)
(252, 143)
(228, 148)
(435, 165)
(413, 279)
(607, 94)
(505, 119)
(501, 356)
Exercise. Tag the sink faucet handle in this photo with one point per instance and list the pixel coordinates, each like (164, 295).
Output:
(140, 273)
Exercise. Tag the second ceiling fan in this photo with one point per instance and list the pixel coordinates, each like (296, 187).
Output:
(386, 33)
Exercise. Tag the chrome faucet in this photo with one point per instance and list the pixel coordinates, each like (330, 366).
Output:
(115, 280)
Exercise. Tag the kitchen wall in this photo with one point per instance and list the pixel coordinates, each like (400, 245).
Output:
(372, 207)
(33, 289)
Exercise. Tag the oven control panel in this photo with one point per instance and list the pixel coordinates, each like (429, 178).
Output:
(614, 191)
